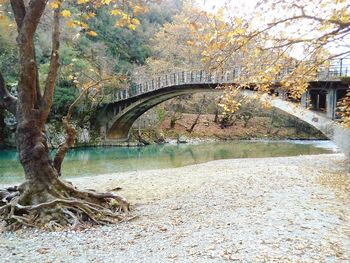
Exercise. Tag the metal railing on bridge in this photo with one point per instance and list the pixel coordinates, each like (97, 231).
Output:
(203, 77)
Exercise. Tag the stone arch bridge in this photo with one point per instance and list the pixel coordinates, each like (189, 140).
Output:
(122, 109)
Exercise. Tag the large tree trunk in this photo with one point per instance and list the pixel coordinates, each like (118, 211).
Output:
(35, 159)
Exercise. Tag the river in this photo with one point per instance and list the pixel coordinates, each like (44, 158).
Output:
(99, 160)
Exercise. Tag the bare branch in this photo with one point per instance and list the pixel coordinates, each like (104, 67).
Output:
(70, 130)
(6, 99)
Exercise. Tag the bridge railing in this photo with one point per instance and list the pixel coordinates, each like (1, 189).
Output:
(334, 72)
(204, 77)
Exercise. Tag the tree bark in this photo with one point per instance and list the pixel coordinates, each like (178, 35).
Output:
(35, 159)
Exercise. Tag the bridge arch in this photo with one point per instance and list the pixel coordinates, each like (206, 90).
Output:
(120, 124)
(118, 127)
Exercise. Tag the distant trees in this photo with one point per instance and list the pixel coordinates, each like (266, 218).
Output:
(8, 52)
(172, 45)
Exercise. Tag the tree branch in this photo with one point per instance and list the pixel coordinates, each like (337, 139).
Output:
(54, 66)
(70, 130)
(31, 20)
(28, 79)
(6, 99)
(19, 11)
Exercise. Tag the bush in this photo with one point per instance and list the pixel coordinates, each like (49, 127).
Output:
(63, 97)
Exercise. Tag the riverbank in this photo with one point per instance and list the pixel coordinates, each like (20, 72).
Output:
(279, 126)
(286, 209)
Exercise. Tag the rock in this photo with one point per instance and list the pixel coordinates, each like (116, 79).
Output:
(181, 139)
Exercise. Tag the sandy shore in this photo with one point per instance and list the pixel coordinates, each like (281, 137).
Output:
(288, 209)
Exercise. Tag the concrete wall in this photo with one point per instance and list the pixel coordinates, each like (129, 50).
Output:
(341, 138)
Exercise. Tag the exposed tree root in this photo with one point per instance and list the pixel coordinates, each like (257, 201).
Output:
(63, 207)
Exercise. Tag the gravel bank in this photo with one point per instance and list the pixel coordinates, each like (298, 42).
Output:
(288, 209)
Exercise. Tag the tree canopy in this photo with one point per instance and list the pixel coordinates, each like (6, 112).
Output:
(280, 41)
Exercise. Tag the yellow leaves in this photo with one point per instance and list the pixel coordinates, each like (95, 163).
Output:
(132, 27)
(138, 9)
(121, 23)
(116, 12)
(236, 31)
(344, 110)
(77, 23)
(55, 5)
(119, 9)
(229, 101)
(344, 15)
(71, 24)
(92, 33)
(135, 21)
(82, 24)
(81, 2)
(125, 20)
(133, 24)
(125, 16)
(66, 13)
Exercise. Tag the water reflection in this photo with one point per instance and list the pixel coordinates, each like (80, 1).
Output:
(92, 161)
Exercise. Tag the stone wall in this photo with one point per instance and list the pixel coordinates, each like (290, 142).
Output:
(85, 135)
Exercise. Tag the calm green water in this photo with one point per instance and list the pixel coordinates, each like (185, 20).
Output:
(93, 161)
